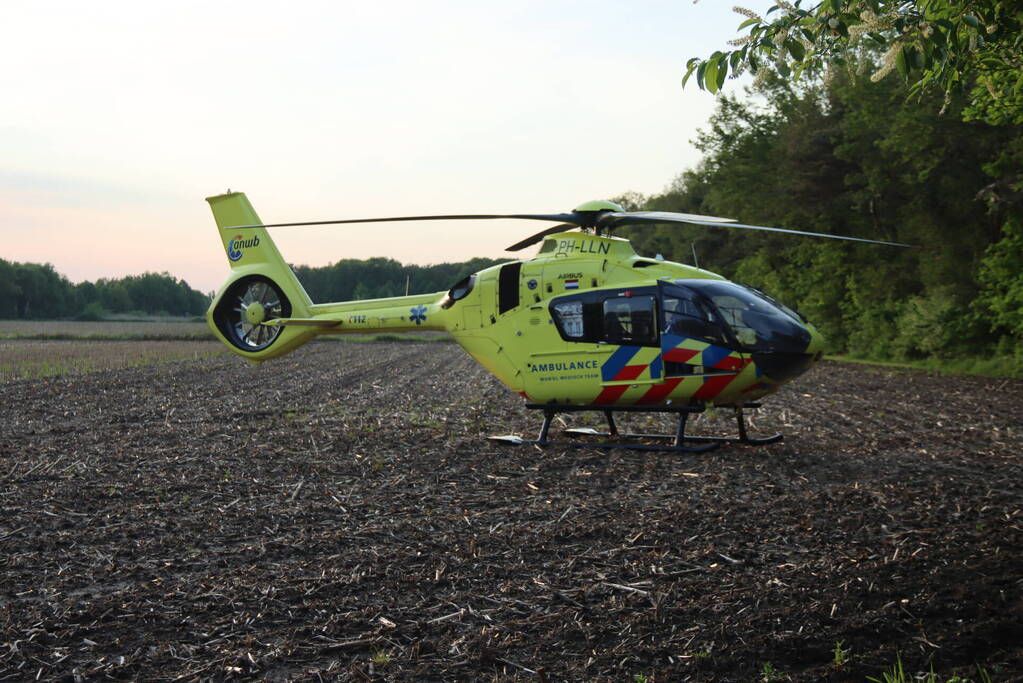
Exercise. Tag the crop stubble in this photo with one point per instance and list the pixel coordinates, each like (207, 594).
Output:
(21, 358)
(338, 513)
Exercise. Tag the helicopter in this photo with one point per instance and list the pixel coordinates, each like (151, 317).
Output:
(586, 324)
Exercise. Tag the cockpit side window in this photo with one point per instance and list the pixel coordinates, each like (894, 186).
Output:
(684, 316)
(756, 322)
(738, 313)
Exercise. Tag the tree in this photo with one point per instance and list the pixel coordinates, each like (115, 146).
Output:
(10, 292)
(382, 277)
(860, 159)
(973, 46)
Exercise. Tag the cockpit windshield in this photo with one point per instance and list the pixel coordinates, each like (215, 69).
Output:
(758, 323)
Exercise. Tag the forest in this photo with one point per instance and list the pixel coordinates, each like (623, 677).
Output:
(38, 291)
(380, 277)
(848, 156)
(881, 119)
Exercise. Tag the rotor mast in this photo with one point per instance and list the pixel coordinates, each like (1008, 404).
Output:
(592, 211)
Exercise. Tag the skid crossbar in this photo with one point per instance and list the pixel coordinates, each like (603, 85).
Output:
(677, 440)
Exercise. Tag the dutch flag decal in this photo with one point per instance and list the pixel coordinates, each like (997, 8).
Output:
(571, 284)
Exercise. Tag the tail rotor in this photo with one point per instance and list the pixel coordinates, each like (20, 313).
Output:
(244, 309)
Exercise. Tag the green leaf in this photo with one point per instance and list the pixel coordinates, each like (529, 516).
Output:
(700, 71)
(734, 60)
(710, 75)
(919, 59)
(971, 20)
(900, 62)
(689, 71)
(783, 69)
(722, 71)
(795, 49)
(746, 23)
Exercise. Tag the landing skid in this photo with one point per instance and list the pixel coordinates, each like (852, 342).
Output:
(678, 440)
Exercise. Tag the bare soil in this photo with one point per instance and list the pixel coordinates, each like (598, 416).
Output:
(339, 515)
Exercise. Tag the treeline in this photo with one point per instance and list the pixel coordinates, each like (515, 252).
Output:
(377, 278)
(32, 290)
(857, 158)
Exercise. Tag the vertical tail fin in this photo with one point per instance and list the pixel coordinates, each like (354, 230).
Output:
(244, 246)
(261, 286)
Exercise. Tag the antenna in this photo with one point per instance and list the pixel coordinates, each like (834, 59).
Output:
(696, 261)
(408, 281)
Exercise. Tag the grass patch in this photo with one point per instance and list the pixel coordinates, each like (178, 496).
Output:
(63, 330)
(897, 674)
(977, 367)
(22, 359)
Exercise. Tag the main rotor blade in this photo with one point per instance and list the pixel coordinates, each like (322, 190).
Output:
(533, 239)
(626, 217)
(663, 217)
(572, 218)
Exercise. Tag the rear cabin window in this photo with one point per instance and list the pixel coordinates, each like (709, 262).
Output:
(597, 317)
(569, 315)
(508, 287)
(630, 320)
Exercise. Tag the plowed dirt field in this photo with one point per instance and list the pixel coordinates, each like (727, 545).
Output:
(338, 515)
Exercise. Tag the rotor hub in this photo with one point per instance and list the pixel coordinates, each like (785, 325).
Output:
(255, 313)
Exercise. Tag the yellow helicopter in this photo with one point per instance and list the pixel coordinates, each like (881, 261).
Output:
(584, 325)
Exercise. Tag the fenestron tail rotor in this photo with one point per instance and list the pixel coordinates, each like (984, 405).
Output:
(245, 307)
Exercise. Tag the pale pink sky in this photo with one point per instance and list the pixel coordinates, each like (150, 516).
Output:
(120, 117)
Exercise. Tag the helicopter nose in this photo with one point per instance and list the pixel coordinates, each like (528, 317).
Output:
(782, 366)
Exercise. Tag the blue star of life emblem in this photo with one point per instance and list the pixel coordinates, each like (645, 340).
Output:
(418, 314)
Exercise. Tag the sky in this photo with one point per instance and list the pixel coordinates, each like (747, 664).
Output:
(118, 118)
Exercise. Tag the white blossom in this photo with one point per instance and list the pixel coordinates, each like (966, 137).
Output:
(746, 13)
(887, 62)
